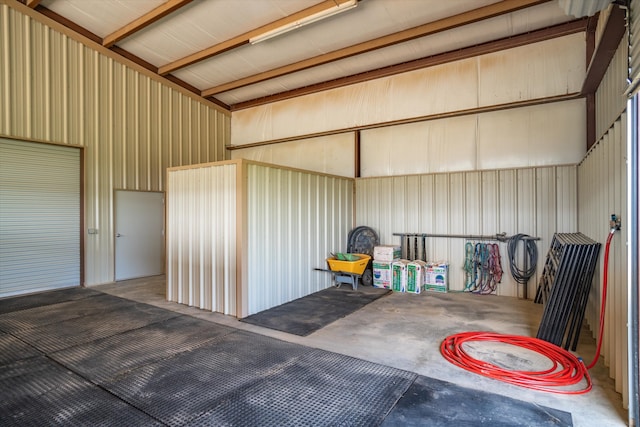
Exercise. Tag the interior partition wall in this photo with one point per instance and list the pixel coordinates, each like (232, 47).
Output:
(244, 236)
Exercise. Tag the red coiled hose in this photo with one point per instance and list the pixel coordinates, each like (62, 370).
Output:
(566, 369)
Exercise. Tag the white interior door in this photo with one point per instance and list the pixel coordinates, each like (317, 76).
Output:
(139, 234)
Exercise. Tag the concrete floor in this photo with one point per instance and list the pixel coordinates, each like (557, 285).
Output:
(405, 331)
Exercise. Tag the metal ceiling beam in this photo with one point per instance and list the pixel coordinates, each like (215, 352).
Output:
(612, 33)
(548, 33)
(482, 13)
(243, 39)
(144, 21)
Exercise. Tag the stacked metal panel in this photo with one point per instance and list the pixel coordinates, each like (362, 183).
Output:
(564, 287)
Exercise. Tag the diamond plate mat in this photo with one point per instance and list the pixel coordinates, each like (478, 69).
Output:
(319, 389)
(110, 357)
(8, 305)
(37, 392)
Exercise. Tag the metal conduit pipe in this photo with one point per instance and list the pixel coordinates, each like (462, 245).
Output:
(500, 237)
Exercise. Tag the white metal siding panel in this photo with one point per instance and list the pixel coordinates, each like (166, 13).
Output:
(508, 213)
(485, 203)
(539, 70)
(526, 216)
(519, 137)
(39, 217)
(295, 218)
(540, 135)
(56, 89)
(333, 154)
(567, 199)
(201, 237)
(489, 195)
(458, 216)
(610, 99)
(602, 192)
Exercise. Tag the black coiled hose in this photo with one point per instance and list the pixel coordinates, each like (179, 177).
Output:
(521, 275)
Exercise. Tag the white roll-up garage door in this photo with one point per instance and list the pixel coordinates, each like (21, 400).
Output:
(39, 217)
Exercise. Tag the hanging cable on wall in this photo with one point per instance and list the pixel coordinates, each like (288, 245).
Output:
(469, 267)
(522, 274)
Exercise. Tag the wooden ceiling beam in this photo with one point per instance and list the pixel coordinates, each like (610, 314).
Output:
(244, 38)
(475, 15)
(560, 30)
(144, 21)
(33, 3)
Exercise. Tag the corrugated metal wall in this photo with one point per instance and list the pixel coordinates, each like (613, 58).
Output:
(602, 183)
(295, 218)
(58, 88)
(201, 237)
(535, 201)
(610, 99)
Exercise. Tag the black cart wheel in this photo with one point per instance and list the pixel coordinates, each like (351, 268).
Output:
(367, 277)
(362, 240)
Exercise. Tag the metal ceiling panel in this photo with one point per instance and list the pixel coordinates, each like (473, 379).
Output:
(312, 40)
(202, 25)
(205, 23)
(101, 17)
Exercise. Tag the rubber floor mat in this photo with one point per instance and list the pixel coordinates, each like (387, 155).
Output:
(38, 392)
(105, 359)
(180, 388)
(49, 314)
(313, 312)
(319, 389)
(120, 316)
(132, 364)
(23, 302)
(13, 349)
(439, 403)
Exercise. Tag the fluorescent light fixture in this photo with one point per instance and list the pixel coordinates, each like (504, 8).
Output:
(339, 8)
